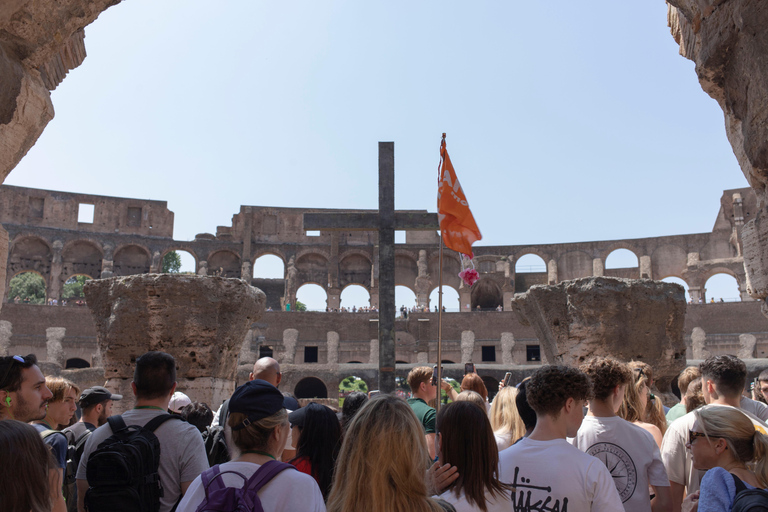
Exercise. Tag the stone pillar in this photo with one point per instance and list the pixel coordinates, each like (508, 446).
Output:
(3, 261)
(747, 344)
(645, 267)
(6, 331)
(246, 271)
(374, 357)
(695, 293)
(465, 298)
(333, 347)
(107, 263)
(54, 289)
(467, 346)
(156, 265)
(699, 344)
(423, 282)
(249, 350)
(54, 349)
(200, 321)
(334, 298)
(290, 337)
(552, 272)
(693, 259)
(375, 298)
(598, 267)
(507, 349)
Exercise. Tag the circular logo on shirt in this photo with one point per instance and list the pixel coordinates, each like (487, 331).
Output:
(621, 466)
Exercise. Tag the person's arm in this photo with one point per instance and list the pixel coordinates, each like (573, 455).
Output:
(431, 445)
(55, 477)
(663, 500)
(82, 488)
(452, 395)
(185, 486)
(676, 494)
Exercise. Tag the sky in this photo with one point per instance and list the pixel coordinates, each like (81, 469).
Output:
(565, 121)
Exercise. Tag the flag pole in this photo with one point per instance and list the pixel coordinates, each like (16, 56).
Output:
(440, 329)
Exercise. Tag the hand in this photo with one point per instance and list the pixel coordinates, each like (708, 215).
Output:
(501, 384)
(439, 477)
(691, 503)
(445, 385)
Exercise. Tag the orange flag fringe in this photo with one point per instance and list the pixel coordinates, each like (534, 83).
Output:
(457, 224)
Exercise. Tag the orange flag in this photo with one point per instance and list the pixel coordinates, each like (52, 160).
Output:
(457, 224)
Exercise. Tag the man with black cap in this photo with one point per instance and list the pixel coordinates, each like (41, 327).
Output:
(96, 406)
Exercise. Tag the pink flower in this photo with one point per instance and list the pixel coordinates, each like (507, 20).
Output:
(469, 276)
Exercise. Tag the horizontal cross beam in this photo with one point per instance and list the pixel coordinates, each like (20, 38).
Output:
(404, 221)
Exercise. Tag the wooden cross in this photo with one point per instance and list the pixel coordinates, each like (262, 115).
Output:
(386, 221)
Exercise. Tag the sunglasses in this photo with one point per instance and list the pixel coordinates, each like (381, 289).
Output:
(18, 359)
(692, 436)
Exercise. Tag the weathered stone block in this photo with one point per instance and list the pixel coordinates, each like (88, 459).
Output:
(747, 344)
(54, 349)
(467, 346)
(201, 321)
(507, 348)
(623, 318)
(754, 238)
(699, 344)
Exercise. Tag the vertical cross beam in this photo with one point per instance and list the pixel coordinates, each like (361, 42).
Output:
(386, 267)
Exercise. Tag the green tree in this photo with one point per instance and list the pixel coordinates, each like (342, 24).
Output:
(73, 288)
(300, 306)
(29, 287)
(171, 263)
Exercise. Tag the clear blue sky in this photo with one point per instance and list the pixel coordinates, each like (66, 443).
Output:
(566, 121)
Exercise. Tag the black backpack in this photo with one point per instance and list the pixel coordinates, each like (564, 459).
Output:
(749, 500)
(75, 448)
(215, 442)
(122, 471)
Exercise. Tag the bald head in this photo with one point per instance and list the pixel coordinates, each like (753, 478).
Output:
(267, 369)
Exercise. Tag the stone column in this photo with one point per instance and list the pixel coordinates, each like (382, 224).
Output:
(156, 265)
(202, 268)
(333, 347)
(747, 344)
(695, 293)
(107, 263)
(334, 298)
(6, 331)
(423, 282)
(54, 289)
(54, 349)
(290, 337)
(699, 344)
(374, 357)
(507, 349)
(375, 298)
(249, 350)
(598, 267)
(645, 267)
(552, 272)
(246, 271)
(467, 346)
(465, 298)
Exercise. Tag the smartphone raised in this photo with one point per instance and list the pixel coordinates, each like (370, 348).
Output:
(469, 368)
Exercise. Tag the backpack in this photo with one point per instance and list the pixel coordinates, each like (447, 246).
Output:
(122, 472)
(215, 441)
(219, 498)
(749, 500)
(75, 448)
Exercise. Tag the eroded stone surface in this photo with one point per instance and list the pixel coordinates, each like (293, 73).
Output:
(747, 346)
(602, 316)
(699, 344)
(201, 321)
(55, 351)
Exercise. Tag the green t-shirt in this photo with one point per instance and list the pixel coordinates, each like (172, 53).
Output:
(677, 411)
(425, 413)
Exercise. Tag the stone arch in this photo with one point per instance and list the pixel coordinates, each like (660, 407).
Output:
(719, 290)
(76, 363)
(612, 247)
(406, 269)
(678, 280)
(40, 300)
(271, 251)
(224, 263)
(621, 253)
(81, 257)
(268, 265)
(187, 250)
(357, 379)
(30, 253)
(67, 294)
(485, 264)
(355, 268)
(310, 387)
(530, 250)
(404, 296)
(314, 302)
(487, 294)
(355, 298)
(451, 268)
(529, 268)
(131, 259)
(313, 268)
(451, 298)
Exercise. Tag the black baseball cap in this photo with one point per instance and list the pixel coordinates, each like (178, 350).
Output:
(257, 399)
(96, 395)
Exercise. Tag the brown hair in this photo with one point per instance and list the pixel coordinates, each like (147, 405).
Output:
(468, 443)
(383, 461)
(729, 373)
(694, 398)
(606, 373)
(24, 483)
(632, 408)
(551, 386)
(59, 387)
(654, 409)
(687, 376)
(417, 376)
(473, 382)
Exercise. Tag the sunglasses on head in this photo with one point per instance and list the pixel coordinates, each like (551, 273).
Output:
(693, 435)
(7, 372)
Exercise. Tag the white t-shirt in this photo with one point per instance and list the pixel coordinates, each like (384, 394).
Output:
(461, 504)
(289, 491)
(631, 455)
(182, 452)
(677, 459)
(559, 476)
(503, 440)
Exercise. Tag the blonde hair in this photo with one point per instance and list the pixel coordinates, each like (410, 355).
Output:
(471, 396)
(504, 416)
(383, 461)
(59, 387)
(256, 435)
(745, 442)
(417, 376)
(687, 376)
(654, 409)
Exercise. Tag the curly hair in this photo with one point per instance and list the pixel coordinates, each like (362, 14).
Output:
(729, 373)
(551, 387)
(606, 373)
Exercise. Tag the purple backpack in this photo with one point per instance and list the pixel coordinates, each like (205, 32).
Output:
(219, 498)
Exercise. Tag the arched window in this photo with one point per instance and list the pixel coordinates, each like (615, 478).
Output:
(27, 288)
(721, 288)
(310, 387)
(312, 296)
(677, 280)
(451, 301)
(355, 296)
(269, 266)
(404, 296)
(621, 258)
(530, 263)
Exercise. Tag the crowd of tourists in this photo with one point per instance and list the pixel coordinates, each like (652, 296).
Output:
(592, 438)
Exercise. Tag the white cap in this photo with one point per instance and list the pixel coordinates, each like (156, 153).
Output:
(178, 401)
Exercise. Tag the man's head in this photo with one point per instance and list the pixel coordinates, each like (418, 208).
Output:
(762, 381)
(267, 369)
(154, 376)
(23, 394)
(63, 403)
(554, 390)
(722, 377)
(420, 382)
(96, 404)
(609, 378)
